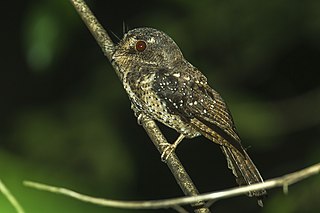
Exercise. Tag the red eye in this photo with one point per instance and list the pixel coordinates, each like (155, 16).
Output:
(141, 46)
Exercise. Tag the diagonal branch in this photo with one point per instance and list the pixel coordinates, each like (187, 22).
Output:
(283, 181)
(149, 125)
(5, 191)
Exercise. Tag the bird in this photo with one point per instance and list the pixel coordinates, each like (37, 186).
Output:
(164, 86)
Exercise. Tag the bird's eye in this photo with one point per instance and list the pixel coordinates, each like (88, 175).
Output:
(141, 46)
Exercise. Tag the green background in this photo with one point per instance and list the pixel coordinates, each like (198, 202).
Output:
(65, 119)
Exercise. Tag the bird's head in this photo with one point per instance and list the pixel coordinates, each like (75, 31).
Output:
(146, 47)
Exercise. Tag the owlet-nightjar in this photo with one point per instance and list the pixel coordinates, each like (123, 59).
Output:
(163, 85)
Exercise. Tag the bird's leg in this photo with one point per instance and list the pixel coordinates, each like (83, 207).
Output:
(169, 148)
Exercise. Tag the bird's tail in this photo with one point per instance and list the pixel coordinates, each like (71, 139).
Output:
(238, 160)
(245, 171)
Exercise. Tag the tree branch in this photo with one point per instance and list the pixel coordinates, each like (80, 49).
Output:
(283, 181)
(11, 198)
(149, 125)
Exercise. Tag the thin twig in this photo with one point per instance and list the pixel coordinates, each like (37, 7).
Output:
(283, 181)
(10, 197)
(149, 125)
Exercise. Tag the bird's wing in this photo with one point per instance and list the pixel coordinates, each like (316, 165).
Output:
(188, 95)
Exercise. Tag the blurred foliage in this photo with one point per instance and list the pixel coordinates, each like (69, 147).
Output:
(66, 121)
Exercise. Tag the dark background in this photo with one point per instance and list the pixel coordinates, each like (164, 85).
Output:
(65, 119)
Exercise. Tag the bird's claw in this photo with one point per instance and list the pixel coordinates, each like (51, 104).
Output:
(139, 118)
(167, 151)
(169, 148)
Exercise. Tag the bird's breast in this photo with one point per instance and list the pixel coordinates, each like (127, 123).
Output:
(144, 98)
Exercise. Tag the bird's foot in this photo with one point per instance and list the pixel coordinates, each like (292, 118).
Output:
(167, 150)
(137, 113)
(139, 118)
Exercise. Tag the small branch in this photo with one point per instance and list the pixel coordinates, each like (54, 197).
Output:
(283, 181)
(11, 198)
(149, 125)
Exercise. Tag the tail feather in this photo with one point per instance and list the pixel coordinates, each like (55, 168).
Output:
(238, 160)
(244, 170)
